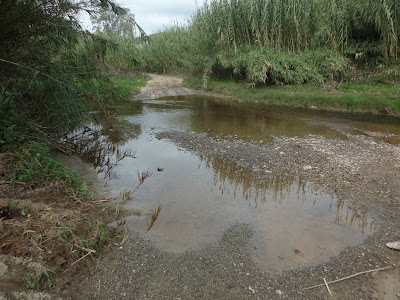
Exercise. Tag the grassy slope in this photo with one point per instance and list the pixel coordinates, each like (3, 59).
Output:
(352, 97)
(122, 86)
(125, 86)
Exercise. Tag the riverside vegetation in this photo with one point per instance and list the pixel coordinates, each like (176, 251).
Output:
(52, 73)
(340, 55)
(333, 54)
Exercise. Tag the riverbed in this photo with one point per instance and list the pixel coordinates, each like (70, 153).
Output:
(257, 191)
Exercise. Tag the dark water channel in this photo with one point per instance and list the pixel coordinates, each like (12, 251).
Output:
(196, 198)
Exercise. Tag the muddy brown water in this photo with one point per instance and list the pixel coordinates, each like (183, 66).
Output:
(194, 199)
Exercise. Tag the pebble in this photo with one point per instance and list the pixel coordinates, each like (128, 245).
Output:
(3, 270)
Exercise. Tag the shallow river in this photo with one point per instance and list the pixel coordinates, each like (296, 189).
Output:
(194, 199)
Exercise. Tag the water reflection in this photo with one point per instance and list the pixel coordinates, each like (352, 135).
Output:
(101, 143)
(232, 179)
(258, 122)
(196, 198)
(352, 213)
(247, 121)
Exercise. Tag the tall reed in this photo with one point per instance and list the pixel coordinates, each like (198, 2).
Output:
(294, 25)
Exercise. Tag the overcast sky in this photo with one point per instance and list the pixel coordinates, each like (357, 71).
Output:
(152, 15)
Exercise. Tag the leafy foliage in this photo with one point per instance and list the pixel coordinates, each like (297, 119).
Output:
(301, 25)
(277, 41)
(109, 23)
(263, 65)
(40, 69)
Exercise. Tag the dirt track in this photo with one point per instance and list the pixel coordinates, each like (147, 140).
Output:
(164, 86)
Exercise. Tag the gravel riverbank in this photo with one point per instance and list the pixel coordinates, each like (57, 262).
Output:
(358, 168)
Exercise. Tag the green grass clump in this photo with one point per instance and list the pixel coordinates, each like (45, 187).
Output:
(40, 280)
(267, 66)
(33, 163)
(127, 85)
(100, 235)
(120, 87)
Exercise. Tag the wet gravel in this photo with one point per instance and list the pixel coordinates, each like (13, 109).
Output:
(359, 169)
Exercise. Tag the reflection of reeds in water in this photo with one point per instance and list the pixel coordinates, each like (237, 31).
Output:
(96, 148)
(228, 174)
(351, 213)
(154, 218)
(276, 188)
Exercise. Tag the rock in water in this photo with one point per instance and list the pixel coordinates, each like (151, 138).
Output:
(394, 245)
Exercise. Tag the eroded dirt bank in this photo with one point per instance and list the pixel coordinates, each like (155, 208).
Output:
(359, 169)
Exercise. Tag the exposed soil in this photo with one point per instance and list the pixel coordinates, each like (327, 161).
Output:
(44, 229)
(358, 169)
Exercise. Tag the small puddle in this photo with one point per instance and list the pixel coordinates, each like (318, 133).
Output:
(194, 199)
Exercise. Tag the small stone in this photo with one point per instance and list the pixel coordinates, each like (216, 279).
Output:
(394, 245)
(305, 168)
(2, 296)
(3, 270)
(252, 290)
(279, 292)
(160, 169)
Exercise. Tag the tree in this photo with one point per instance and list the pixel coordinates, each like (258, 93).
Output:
(108, 22)
(41, 72)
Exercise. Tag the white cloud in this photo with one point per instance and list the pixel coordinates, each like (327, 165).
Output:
(153, 15)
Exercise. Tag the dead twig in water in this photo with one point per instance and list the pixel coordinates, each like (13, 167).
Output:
(348, 277)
